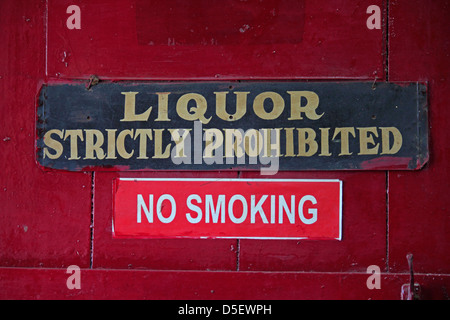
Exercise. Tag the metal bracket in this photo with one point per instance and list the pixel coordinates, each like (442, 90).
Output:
(407, 293)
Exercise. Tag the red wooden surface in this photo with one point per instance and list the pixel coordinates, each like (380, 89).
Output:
(42, 283)
(419, 218)
(52, 219)
(44, 216)
(334, 42)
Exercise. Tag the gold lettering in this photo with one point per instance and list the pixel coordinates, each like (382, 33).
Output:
(180, 145)
(241, 105)
(269, 145)
(74, 134)
(194, 113)
(130, 108)
(121, 144)
(253, 142)
(163, 102)
(344, 132)
(385, 140)
(312, 103)
(158, 145)
(96, 146)
(212, 145)
(53, 144)
(111, 154)
(289, 142)
(233, 143)
(324, 145)
(144, 134)
(306, 136)
(278, 105)
(365, 139)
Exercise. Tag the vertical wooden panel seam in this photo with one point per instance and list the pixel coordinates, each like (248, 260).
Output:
(386, 71)
(387, 222)
(91, 246)
(238, 252)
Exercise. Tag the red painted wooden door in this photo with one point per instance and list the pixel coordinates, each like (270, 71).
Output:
(53, 219)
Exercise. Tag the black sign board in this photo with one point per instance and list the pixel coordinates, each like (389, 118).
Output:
(232, 125)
